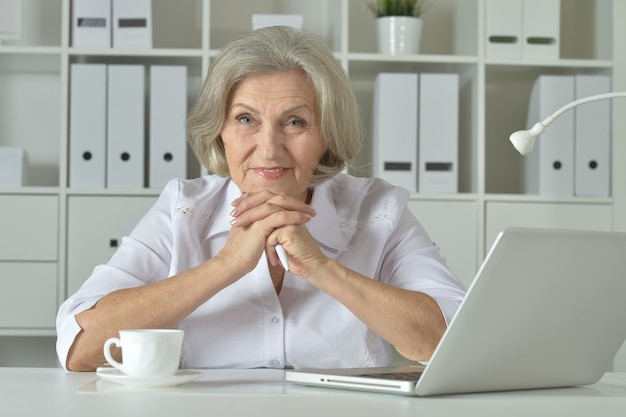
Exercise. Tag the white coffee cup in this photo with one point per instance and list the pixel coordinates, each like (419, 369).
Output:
(147, 353)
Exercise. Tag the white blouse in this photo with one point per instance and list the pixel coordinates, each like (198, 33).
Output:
(362, 223)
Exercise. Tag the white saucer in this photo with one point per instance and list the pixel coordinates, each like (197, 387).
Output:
(115, 375)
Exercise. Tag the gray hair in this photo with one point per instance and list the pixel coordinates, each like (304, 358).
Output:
(269, 51)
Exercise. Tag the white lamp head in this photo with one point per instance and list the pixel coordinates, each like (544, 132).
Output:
(524, 140)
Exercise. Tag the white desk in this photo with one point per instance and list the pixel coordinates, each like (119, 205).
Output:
(218, 393)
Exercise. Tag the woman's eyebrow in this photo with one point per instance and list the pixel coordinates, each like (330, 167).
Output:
(297, 107)
(250, 108)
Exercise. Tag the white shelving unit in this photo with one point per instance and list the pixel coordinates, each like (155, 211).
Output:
(76, 229)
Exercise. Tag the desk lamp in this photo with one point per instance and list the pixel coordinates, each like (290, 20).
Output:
(524, 140)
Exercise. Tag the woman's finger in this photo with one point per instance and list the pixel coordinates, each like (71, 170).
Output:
(245, 214)
(249, 201)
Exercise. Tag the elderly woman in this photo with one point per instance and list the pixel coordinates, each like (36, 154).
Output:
(276, 122)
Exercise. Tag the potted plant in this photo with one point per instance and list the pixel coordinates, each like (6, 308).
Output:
(399, 25)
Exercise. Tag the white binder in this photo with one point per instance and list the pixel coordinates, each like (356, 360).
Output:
(91, 23)
(132, 24)
(550, 166)
(395, 129)
(88, 112)
(168, 111)
(504, 28)
(438, 133)
(593, 138)
(541, 29)
(125, 126)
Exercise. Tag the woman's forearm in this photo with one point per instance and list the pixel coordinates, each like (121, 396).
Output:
(411, 321)
(159, 305)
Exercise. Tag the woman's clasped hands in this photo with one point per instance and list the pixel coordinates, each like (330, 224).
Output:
(260, 221)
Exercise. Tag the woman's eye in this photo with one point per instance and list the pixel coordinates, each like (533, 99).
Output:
(246, 120)
(296, 122)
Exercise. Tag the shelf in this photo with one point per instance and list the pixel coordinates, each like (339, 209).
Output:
(444, 197)
(30, 50)
(19, 62)
(561, 63)
(511, 198)
(109, 192)
(428, 59)
(4, 332)
(137, 53)
(29, 191)
(526, 198)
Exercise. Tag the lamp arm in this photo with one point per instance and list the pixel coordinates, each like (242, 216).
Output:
(578, 102)
(524, 140)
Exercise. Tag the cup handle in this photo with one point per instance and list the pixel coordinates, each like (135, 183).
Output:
(107, 352)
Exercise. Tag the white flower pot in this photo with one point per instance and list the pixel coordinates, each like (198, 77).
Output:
(398, 35)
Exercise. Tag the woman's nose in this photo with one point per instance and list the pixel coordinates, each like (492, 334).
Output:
(270, 142)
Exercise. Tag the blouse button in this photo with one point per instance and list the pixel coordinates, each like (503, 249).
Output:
(275, 320)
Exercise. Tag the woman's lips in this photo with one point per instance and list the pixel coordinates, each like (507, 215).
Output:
(271, 173)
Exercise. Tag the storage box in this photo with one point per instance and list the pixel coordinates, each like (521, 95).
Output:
(12, 167)
(91, 23)
(132, 24)
(265, 20)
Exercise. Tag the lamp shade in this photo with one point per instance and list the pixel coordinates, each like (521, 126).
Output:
(524, 140)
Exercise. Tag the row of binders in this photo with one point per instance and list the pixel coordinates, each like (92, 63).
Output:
(415, 132)
(109, 145)
(572, 157)
(117, 23)
(523, 29)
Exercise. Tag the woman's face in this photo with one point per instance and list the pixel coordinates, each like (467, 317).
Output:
(272, 134)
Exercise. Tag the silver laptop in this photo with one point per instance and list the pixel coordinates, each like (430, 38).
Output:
(545, 309)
